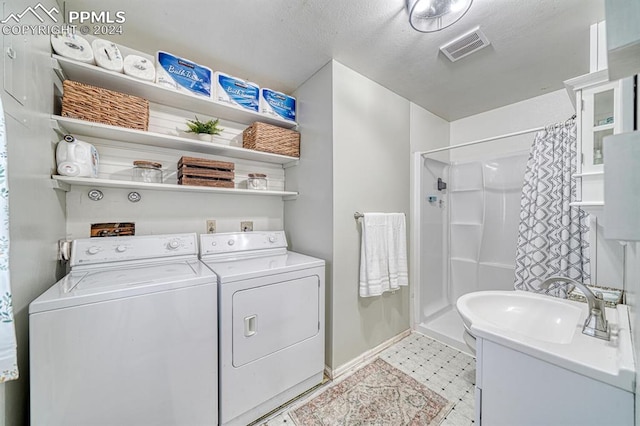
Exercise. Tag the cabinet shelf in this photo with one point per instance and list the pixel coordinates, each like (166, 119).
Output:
(601, 127)
(115, 133)
(97, 76)
(64, 182)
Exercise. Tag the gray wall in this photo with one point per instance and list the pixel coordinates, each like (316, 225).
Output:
(355, 156)
(309, 218)
(371, 174)
(36, 210)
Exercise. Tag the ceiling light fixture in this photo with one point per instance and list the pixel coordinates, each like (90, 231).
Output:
(428, 16)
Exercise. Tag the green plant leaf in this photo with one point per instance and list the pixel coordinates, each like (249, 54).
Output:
(207, 127)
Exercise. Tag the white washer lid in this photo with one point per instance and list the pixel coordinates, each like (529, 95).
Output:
(254, 267)
(116, 282)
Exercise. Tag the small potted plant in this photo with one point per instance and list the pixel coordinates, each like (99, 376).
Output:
(204, 129)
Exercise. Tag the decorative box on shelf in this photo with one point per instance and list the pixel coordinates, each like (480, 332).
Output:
(204, 172)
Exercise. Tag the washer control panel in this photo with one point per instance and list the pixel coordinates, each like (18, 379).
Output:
(97, 250)
(235, 242)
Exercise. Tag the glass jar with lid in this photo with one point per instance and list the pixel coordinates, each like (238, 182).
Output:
(257, 181)
(147, 171)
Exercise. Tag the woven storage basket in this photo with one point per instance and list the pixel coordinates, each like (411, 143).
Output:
(99, 105)
(273, 139)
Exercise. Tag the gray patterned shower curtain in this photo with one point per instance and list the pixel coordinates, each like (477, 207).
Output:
(553, 236)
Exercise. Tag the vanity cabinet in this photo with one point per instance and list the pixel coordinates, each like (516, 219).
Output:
(514, 388)
(603, 108)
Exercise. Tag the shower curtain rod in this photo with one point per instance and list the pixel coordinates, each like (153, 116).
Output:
(493, 138)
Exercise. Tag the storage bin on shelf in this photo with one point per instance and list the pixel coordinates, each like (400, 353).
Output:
(99, 105)
(203, 172)
(273, 139)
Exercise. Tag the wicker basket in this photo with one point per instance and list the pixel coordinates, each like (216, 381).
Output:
(99, 105)
(273, 139)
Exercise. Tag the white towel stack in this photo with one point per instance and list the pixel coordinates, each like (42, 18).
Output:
(383, 253)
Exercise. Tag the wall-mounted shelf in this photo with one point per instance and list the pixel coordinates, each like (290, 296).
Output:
(65, 182)
(97, 76)
(105, 131)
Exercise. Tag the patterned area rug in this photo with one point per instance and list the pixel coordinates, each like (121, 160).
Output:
(377, 394)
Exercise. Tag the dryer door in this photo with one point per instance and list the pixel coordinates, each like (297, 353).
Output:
(273, 317)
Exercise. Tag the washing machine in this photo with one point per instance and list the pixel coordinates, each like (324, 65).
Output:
(271, 322)
(128, 337)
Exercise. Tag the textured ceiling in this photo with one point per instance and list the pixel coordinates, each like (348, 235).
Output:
(536, 44)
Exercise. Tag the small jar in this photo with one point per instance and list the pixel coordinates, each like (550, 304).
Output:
(147, 171)
(257, 181)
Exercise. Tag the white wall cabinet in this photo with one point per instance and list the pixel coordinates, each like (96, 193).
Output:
(603, 108)
(154, 142)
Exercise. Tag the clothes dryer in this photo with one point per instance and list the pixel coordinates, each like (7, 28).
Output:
(271, 321)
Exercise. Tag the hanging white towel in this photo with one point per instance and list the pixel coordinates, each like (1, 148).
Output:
(397, 237)
(8, 359)
(383, 253)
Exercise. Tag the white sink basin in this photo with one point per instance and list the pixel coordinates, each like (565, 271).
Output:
(532, 315)
(550, 329)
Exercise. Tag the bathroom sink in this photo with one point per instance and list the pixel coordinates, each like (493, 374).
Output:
(550, 329)
(531, 315)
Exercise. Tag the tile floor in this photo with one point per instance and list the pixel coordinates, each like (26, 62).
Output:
(442, 369)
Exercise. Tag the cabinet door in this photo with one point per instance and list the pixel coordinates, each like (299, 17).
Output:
(599, 118)
(606, 110)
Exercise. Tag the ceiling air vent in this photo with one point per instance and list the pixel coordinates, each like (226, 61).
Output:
(465, 45)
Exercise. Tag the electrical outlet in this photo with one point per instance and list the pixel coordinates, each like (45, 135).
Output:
(211, 226)
(246, 226)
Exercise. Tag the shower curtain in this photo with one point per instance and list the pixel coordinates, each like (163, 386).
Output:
(8, 360)
(552, 236)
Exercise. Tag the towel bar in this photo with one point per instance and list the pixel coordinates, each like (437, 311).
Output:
(358, 215)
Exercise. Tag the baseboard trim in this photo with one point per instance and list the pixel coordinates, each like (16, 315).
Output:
(367, 356)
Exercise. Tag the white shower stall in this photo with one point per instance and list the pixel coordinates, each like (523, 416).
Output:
(467, 233)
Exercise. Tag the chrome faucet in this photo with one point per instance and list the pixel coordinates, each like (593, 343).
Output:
(596, 324)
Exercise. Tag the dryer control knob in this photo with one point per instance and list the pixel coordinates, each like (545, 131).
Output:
(173, 244)
(93, 250)
(231, 242)
(121, 249)
(213, 243)
(272, 239)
